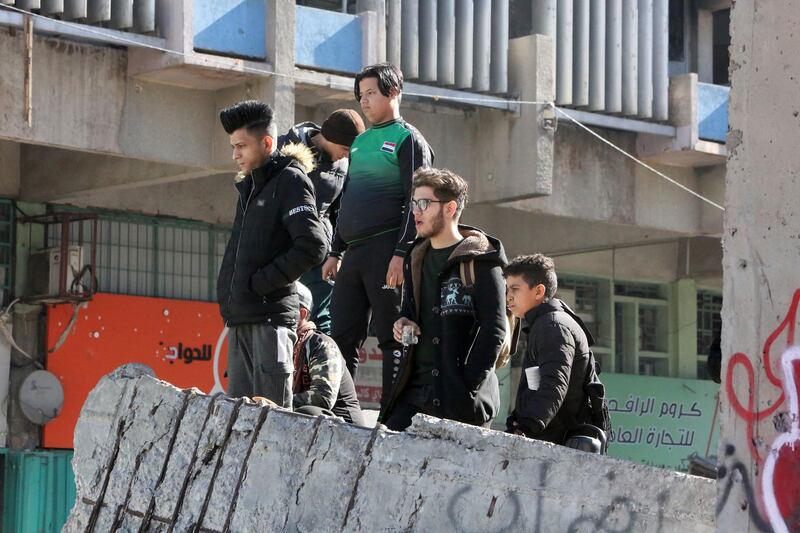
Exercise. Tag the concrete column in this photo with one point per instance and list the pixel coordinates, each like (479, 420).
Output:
(613, 56)
(482, 46)
(705, 46)
(446, 46)
(28, 4)
(597, 56)
(499, 66)
(370, 39)
(660, 59)
(144, 16)
(379, 8)
(543, 15)
(98, 11)
(464, 40)
(278, 91)
(580, 78)
(409, 55)
(759, 478)
(564, 53)
(52, 7)
(393, 39)
(630, 53)
(427, 40)
(75, 9)
(645, 83)
(684, 338)
(121, 14)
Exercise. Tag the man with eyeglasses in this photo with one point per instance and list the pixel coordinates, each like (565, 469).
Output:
(374, 228)
(454, 302)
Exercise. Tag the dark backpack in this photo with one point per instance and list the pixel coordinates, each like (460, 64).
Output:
(596, 394)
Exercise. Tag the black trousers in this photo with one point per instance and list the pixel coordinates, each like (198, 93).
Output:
(360, 293)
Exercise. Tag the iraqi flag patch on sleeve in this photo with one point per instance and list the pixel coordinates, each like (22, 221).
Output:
(388, 147)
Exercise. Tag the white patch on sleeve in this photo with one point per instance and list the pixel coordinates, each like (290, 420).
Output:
(534, 377)
(302, 209)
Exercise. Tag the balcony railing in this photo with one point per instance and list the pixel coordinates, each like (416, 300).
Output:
(136, 16)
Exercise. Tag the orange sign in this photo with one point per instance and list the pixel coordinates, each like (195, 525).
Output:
(183, 342)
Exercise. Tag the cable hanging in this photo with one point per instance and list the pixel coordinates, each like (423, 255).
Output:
(435, 98)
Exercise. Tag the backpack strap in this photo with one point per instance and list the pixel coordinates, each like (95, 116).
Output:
(467, 272)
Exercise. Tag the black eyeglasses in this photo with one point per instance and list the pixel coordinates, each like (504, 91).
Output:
(418, 206)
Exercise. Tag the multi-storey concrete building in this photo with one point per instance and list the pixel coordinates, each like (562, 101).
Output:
(110, 107)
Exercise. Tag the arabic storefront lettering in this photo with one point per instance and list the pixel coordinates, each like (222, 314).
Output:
(661, 421)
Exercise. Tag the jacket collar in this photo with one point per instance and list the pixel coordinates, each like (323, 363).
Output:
(551, 306)
(474, 244)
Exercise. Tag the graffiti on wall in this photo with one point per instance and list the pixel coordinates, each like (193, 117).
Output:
(763, 410)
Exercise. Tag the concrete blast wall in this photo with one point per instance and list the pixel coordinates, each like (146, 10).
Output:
(150, 457)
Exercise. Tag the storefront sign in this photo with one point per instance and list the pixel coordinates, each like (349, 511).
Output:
(661, 421)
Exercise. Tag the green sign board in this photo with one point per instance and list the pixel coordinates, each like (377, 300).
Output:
(661, 421)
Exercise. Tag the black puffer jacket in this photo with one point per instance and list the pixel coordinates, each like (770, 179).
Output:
(276, 237)
(327, 176)
(558, 345)
(471, 329)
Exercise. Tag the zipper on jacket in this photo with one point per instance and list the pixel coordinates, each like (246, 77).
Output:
(469, 352)
(239, 242)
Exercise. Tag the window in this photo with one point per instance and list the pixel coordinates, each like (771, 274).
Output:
(149, 256)
(709, 321)
(722, 41)
(7, 230)
(677, 30)
(586, 302)
(638, 290)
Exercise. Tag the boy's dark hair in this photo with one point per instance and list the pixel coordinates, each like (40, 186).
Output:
(389, 77)
(446, 184)
(253, 115)
(536, 269)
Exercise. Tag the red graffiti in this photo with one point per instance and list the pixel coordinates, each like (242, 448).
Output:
(781, 481)
(750, 411)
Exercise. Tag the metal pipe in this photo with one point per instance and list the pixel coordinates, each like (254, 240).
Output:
(543, 14)
(580, 57)
(464, 40)
(630, 53)
(427, 40)
(393, 17)
(410, 39)
(661, 60)
(613, 56)
(482, 47)
(499, 60)
(597, 56)
(564, 53)
(446, 46)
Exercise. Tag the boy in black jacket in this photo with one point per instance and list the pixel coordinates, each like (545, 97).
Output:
(276, 237)
(551, 398)
(450, 372)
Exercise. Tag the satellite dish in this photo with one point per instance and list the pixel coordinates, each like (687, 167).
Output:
(41, 397)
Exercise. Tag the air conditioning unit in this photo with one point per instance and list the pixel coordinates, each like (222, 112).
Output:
(44, 270)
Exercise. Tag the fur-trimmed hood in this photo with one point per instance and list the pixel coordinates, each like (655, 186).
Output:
(299, 152)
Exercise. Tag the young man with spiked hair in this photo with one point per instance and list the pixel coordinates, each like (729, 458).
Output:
(276, 237)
